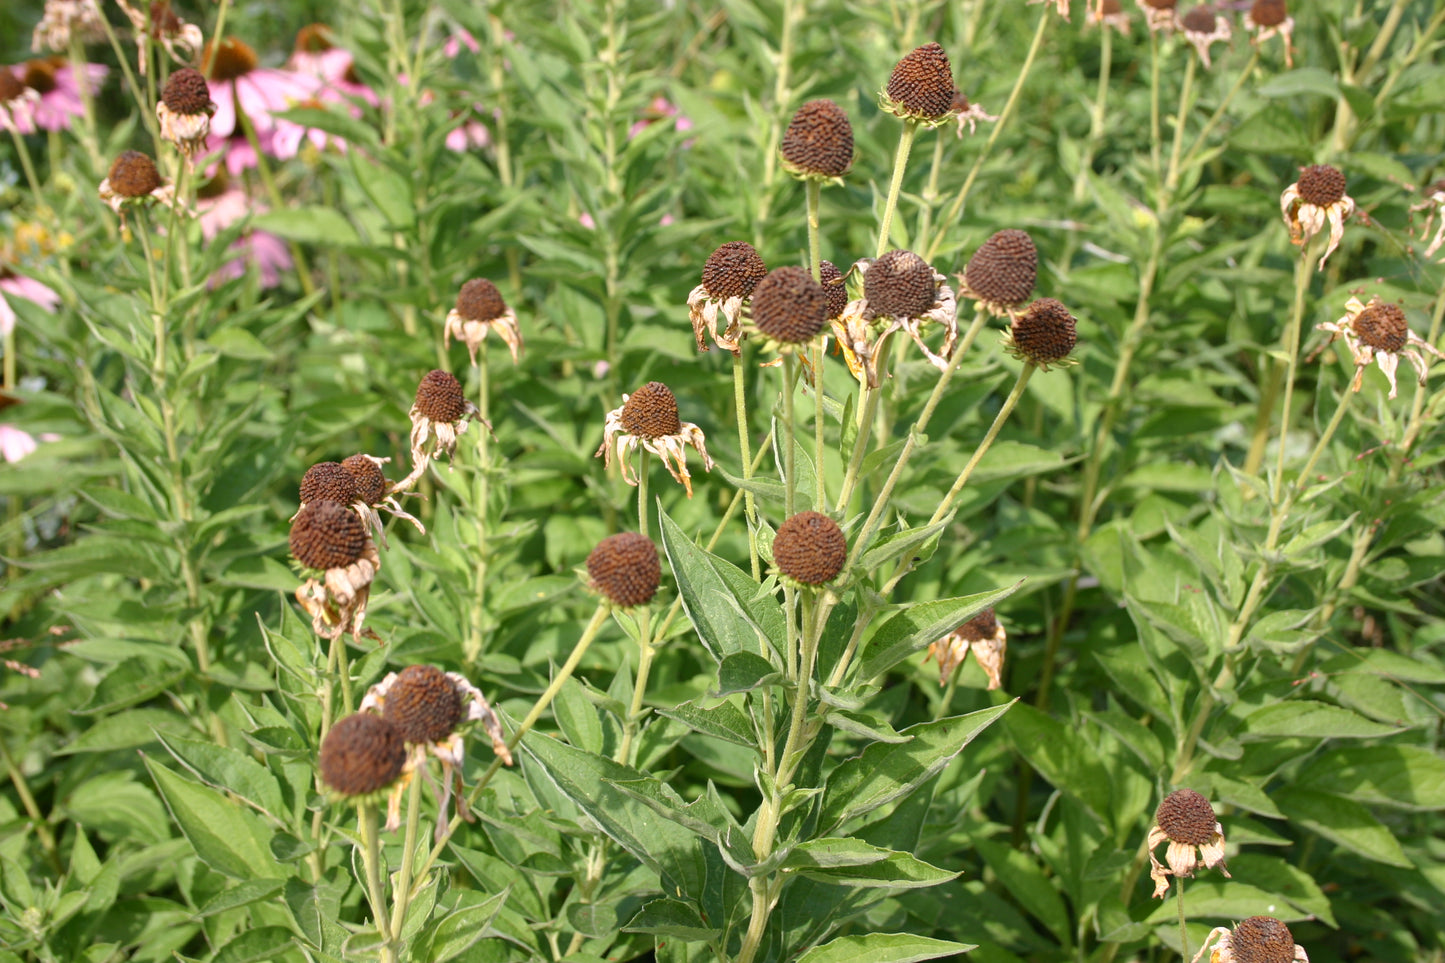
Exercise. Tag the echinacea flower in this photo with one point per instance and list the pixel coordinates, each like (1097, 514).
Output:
(901, 291)
(968, 113)
(18, 286)
(218, 207)
(16, 443)
(59, 89)
(1378, 332)
(1044, 334)
(1259, 939)
(1319, 194)
(921, 86)
(809, 549)
(17, 103)
(61, 19)
(185, 111)
(1186, 820)
(316, 55)
(181, 40)
(984, 636)
(1001, 274)
(470, 134)
(1108, 14)
(624, 569)
(648, 418)
(818, 143)
(240, 85)
(728, 278)
(1202, 27)
(480, 309)
(331, 544)
(1433, 203)
(1160, 15)
(1267, 18)
(133, 181)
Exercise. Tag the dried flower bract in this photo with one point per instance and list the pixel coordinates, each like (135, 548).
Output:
(1317, 196)
(984, 636)
(480, 309)
(1378, 332)
(1185, 820)
(648, 419)
(728, 279)
(185, 111)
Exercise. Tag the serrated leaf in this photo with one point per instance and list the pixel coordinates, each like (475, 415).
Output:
(223, 834)
(670, 917)
(456, 933)
(722, 721)
(229, 770)
(1026, 881)
(1306, 718)
(1403, 777)
(883, 948)
(914, 628)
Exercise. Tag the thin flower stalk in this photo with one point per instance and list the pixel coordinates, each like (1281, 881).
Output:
(403, 894)
(1199, 140)
(1291, 350)
(820, 477)
(1097, 113)
(32, 809)
(900, 165)
(1179, 881)
(790, 442)
(268, 181)
(1156, 138)
(371, 860)
(22, 150)
(782, 95)
(740, 408)
(1186, 91)
(473, 647)
(983, 446)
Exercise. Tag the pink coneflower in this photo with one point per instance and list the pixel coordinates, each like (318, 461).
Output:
(16, 443)
(470, 134)
(316, 56)
(17, 103)
(220, 206)
(16, 286)
(238, 83)
(660, 109)
(462, 38)
(237, 151)
(288, 137)
(60, 100)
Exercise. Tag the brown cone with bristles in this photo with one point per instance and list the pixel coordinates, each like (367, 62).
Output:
(732, 271)
(479, 300)
(327, 535)
(1321, 185)
(1045, 333)
(1383, 327)
(439, 397)
(789, 306)
(313, 38)
(834, 287)
(625, 569)
(186, 92)
(819, 140)
(1162, 4)
(11, 88)
(1004, 269)
(1186, 817)
(1199, 20)
(370, 482)
(328, 480)
(651, 412)
(810, 548)
(900, 285)
(133, 174)
(423, 704)
(1268, 13)
(40, 74)
(982, 626)
(233, 58)
(361, 754)
(1262, 939)
(922, 83)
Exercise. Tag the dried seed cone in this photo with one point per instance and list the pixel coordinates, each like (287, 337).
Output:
(1321, 185)
(479, 300)
(1186, 817)
(439, 397)
(423, 704)
(186, 92)
(1262, 939)
(819, 140)
(1268, 13)
(1004, 269)
(923, 82)
(133, 174)
(1199, 20)
(366, 474)
(732, 271)
(651, 412)
(900, 285)
(982, 626)
(1045, 333)
(789, 306)
(10, 86)
(329, 480)
(833, 286)
(326, 535)
(231, 59)
(625, 569)
(361, 754)
(1162, 4)
(1383, 327)
(810, 548)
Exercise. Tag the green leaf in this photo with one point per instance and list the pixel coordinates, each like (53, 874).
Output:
(455, 934)
(224, 835)
(308, 225)
(886, 772)
(127, 730)
(723, 721)
(1403, 777)
(1026, 881)
(731, 612)
(1310, 719)
(577, 717)
(743, 672)
(261, 945)
(852, 862)
(883, 948)
(388, 190)
(242, 894)
(229, 770)
(1343, 822)
(1061, 756)
(894, 544)
(1305, 80)
(670, 917)
(916, 627)
(1226, 900)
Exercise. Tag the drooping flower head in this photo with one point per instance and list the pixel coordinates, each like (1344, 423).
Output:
(818, 142)
(1109, 14)
(1433, 203)
(984, 636)
(648, 418)
(361, 755)
(901, 292)
(61, 19)
(439, 415)
(1202, 27)
(185, 111)
(1259, 939)
(968, 113)
(789, 307)
(1186, 820)
(134, 181)
(1002, 272)
(1378, 332)
(160, 24)
(810, 549)
(1267, 18)
(1318, 195)
(1161, 15)
(728, 278)
(921, 86)
(1044, 334)
(625, 569)
(330, 542)
(480, 309)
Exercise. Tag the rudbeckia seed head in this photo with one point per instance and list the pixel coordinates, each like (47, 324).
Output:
(361, 754)
(732, 271)
(479, 300)
(923, 82)
(1004, 268)
(1268, 13)
(327, 535)
(982, 626)
(11, 86)
(833, 287)
(1382, 327)
(439, 398)
(1162, 4)
(651, 412)
(625, 569)
(1186, 817)
(423, 704)
(328, 480)
(900, 285)
(810, 548)
(133, 174)
(40, 75)
(1262, 939)
(789, 306)
(1321, 185)
(186, 92)
(1199, 20)
(231, 59)
(370, 482)
(1045, 333)
(819, 140)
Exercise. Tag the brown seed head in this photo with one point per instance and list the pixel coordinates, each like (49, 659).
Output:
(233, 58)
(329, 480)
(370, 482)
(1046, 332)
(1262, 939)
(732, 271)
(833, 286)
(900, 285)
(439, 398)
(1186, 817)
(361, 754)
(625, 568)
(186, 93)
(1268, 13)
(651, 412)
(1110, 8)
(982, 626)
(1199, 20)
(1162, 4)
(423, 704)
(40, 75)
(11, 86)
(1382, 327)
(133, 174)
(810, 548)
(1320, 185)
(1004, 268)
(314, 38)
(789, 306)
(819, 139)
(327, 535)
(923, 82)
(164, 22)
(479, 300)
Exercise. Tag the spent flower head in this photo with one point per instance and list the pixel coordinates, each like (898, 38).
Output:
(185, 111)
(834, 286)
(1044, 334)
(1433, 203)
(728, 278)
(1161, 15)
(625, 569)
(134, 181)
(921, 86)
(1202, 27)
(1317, 196)
(648, 418)
(1185, 820)
(1108, 14)
(361, 755)
(1002, 272)
(984, 636)
(179, 39)
(64, 18)
(480, 309)
(1378, 332)
(901, 292)
(439, 415)
(1259, 939)
(331, 543)
(968, 113)
(810, 549)
(818, 142)
(1268, 18)
(789, 307)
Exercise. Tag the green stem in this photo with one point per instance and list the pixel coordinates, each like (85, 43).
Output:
(1186, 89)
(900, 165)
(1155, 138)
(814, 190)
(1179, 902)
(32, 809)
(371, 860)
(820, 495)
(1096, 114)
(1219, 111)
(930, 190)
(401, 896)
(642, 508)
(28, 165)
(790, 474)
(473, 648)
(1008, 406)
(1291, 349)
(740, 408)
(1303, 481)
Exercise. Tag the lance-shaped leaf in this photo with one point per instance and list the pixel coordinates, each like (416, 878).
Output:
(913, 629)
